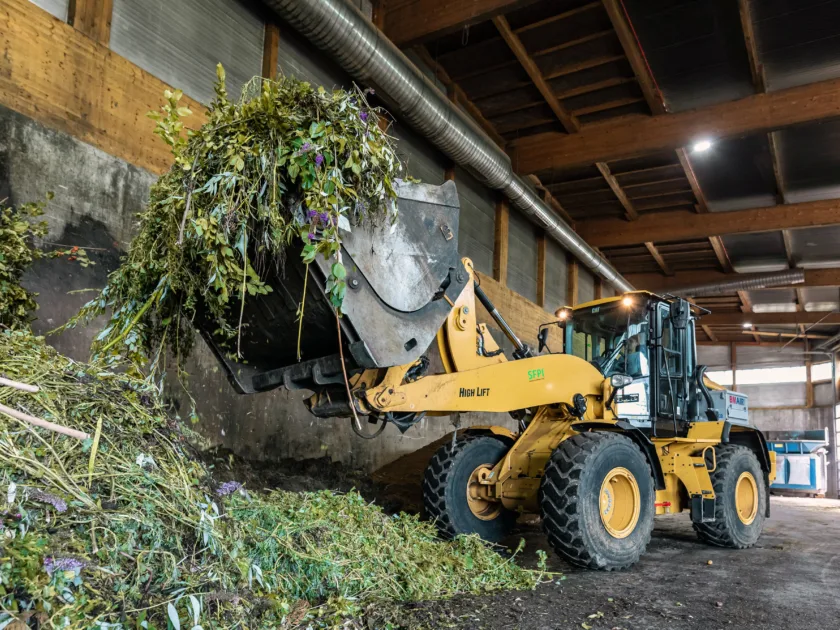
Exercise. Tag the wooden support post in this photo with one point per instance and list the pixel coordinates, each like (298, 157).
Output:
(379, 14)
(271, 50)
(449, 174)
(572, 284)
(500, 242)
(733, 361)
(92, 17)
(541, 265)
(599, 288)
(809, 383)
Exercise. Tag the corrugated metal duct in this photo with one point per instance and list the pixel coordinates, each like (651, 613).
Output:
(361, 49)
(747, 283)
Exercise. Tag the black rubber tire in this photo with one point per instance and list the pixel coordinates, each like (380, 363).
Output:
(445, 488)
(727, 530)
(570, 501)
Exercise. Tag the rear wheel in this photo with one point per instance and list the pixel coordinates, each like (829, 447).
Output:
(740, 495)
(596, 501)
(453, 495)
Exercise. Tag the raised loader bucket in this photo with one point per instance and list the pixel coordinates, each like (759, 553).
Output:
(397, 277)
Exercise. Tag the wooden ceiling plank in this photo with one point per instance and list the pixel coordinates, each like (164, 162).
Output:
(556, 18)
(613, 140)
(572, 43)
(709, 333)
(756, 69)
(618, 19)
(680, 225)
(568, 121)
(657, 256)
(602, 107)
(629, 209)
(582, 65)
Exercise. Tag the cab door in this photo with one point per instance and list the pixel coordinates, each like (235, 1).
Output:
(671, 364)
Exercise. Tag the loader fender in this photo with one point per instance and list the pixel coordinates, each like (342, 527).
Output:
(505, 435)
(754, 440)
(635, 434)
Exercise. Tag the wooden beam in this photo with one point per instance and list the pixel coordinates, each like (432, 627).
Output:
(709, 333)
(756, 68)
(599, 288)
(784, 335)
(271, 50)
(809, 382)
(616, 139)
(653, 251)
(93, 94)
(572, 268)
(629, 211)
(771, 319)
(411, 22)
(619, 21)
(568, 121)
(541, 268)
(379, 11)
(500, 242)
(733, 365)
(681, 225)
(92, 17)
(658, 282)
(449, 174)
(457, 95)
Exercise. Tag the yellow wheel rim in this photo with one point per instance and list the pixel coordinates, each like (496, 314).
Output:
(620, 503)
(478, 497)
(746, 498)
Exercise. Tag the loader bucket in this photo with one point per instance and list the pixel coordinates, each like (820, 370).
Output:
(398, 276)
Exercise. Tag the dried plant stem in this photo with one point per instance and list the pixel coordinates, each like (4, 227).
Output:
(44, 424)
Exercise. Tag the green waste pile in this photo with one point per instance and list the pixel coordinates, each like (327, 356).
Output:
(134, 530)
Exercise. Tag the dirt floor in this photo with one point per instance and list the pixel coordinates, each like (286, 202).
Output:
(791, 579)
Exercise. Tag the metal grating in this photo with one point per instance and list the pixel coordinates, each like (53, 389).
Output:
(181, 42)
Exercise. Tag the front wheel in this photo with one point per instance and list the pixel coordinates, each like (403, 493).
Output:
(597, 501)
(740, 496)
(453, 496)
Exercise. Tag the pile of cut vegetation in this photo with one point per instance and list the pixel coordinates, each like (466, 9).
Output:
(108, 520)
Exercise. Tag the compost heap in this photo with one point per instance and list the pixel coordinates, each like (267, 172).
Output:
(127, 529)
(287, 165)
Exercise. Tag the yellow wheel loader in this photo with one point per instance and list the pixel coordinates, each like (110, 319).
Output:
(616, 421)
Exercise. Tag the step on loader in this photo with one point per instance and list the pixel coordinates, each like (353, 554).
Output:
(616, 421)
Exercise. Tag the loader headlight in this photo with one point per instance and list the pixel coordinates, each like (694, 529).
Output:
(620, 380)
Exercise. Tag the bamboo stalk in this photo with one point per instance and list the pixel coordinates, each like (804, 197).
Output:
(32, 389)
(19, 415)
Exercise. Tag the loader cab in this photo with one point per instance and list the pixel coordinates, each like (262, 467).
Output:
(651, 340)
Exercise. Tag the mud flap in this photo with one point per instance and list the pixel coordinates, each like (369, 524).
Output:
(702, 509)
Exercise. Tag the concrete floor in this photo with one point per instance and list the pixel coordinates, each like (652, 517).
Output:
(790, 579)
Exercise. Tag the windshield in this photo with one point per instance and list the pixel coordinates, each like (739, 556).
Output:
(612, 336)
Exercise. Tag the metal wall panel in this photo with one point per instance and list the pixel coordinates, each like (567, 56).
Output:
(522, 256)
(715, 357)
(556, 276)
(58, 8)
(769, 356)
(298, 58)
(478, 221)
(776, 395)
(181, 42)
(586, 286)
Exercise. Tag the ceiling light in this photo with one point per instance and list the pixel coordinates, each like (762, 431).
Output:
(747, 325)
(702, 145)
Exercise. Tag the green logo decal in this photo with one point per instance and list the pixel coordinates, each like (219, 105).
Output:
(536, 375)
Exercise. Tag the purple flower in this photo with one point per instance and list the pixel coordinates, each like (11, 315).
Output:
(364, 116)
(311, 236)
(324, 217)
(45, 497)
(305, 147)
(319, 159)
(51, 565)
(334, 220)
(312, 214)
(229, 487)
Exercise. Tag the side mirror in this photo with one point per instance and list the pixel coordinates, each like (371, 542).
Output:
(679, 314)
(542, 337)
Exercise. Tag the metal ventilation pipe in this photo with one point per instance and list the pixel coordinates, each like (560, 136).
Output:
(361, 49)
(746, 283)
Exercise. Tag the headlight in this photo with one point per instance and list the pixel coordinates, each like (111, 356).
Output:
(620, 380)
